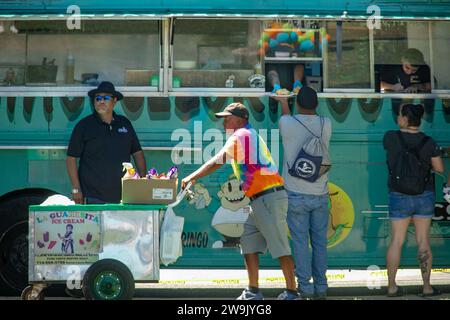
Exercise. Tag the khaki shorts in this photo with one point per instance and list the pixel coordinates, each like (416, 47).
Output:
(266, 226)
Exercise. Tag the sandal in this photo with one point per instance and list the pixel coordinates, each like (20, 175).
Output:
(400, 292)
(436, 292)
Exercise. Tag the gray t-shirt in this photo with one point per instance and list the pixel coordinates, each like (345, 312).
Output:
(294, 136)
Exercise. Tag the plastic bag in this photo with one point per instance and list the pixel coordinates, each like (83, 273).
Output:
(170, 237)
(446, 191)
(57, 200)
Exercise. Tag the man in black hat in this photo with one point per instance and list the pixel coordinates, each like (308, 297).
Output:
(308, 212)
(102, 142)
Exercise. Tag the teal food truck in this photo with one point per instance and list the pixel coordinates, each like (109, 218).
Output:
(178, 62)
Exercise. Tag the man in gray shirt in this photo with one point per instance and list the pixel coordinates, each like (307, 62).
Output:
(308, 211)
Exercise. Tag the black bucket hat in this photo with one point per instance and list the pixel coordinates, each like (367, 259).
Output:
(106, 87)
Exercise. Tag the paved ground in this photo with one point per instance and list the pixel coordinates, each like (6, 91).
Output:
(228, 284)
(343, 284)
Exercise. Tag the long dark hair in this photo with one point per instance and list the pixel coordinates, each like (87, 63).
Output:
(414, 113)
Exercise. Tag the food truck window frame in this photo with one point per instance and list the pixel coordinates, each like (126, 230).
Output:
(428, 51)
(165, 89)
(432, 56)
(327, 91)
(206, 91)
(81, 90)
(327, 88)
(372, 90)
(248, 92)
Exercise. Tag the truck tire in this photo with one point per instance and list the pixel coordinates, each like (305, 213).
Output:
(108, 279)
(14, 242)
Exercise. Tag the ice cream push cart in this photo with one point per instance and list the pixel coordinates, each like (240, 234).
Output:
(101, 250)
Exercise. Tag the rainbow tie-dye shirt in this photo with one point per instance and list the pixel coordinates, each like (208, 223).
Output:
(252, 162)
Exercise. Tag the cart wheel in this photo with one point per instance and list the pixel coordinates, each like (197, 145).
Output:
(30, 293)
(108, 279)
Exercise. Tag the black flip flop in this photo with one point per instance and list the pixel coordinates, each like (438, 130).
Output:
(400, 292)
(436, 292)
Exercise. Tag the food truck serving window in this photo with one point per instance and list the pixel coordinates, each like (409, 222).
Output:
(292, 51)
(402, 57)
(348, 55)
(44, 53)
(215, 53)
(440, 37)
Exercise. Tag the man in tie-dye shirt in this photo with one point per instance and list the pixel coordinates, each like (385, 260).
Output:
(266, 227)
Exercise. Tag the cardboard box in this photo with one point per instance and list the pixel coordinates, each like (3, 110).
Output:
(149, 191)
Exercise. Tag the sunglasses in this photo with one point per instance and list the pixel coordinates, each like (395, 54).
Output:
(100, 98)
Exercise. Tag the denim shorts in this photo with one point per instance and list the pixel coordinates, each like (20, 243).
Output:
(403, 206)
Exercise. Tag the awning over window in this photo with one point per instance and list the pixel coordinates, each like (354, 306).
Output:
(147, 9)
(209, 15)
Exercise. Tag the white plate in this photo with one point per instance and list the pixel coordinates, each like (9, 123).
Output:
(282, 54)
(282, 95)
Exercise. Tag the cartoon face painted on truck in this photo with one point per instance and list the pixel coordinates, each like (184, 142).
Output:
(230, 210)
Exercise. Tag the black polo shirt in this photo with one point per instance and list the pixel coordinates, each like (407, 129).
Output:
(396, 74)
(102, 148)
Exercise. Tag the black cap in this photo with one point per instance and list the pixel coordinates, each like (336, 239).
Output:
(105, 87)
(234, 109)
(307, 98)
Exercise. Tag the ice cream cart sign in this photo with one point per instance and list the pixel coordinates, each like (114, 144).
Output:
(66, 237)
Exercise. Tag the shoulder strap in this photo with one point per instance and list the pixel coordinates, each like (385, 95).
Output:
(419, 146)
(416, 149)
(401, 140)
(321, 123)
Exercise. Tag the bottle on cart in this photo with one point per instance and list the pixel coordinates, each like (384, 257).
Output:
(130, 171)
(173, 173)
(70, 69)
(151, 174)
